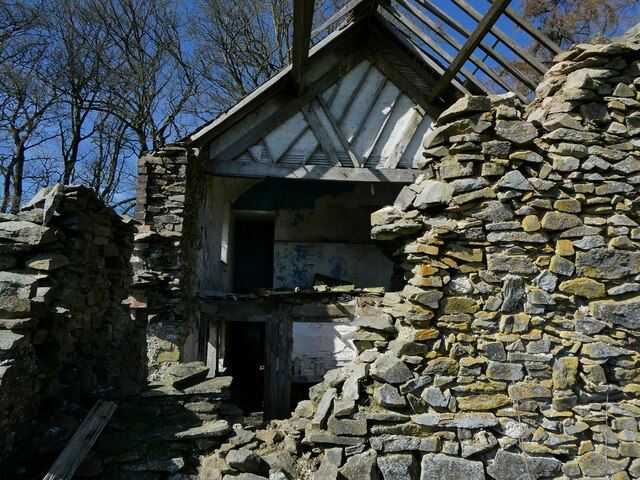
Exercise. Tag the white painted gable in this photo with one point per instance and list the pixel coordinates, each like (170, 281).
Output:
(362, 120)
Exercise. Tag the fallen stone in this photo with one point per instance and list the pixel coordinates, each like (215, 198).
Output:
(324, 408)
(245, 460)
(216, 428)
(186, 374)
(361, 467)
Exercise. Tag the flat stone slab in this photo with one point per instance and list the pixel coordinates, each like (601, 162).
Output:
(186, 374)
(217, 428)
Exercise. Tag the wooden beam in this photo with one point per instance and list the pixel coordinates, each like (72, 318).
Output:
(536, 34)
(338, 15)
(431, 62)
(302, 22)
(504, 38)
(503, 62)
(444, 35)
(311, 172)
(433, 45)
(321, 135)
(357, 162)
(470, 45)
(80, 444)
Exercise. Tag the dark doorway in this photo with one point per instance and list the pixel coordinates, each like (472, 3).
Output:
(253, 251)
(245, 363)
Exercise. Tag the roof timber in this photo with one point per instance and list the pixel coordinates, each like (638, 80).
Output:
(433, 45)
(302, 20)
(448, 38)
(474, 40)
(540, 37)
(431, 73)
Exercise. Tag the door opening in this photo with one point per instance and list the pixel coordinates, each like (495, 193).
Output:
(245, 363)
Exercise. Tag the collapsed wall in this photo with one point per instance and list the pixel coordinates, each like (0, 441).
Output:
(514, 348)
(65, 335)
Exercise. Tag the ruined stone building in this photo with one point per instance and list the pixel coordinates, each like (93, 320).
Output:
(275, 195)
(418, 267)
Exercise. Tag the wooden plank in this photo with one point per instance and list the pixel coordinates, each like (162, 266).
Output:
(311, 172)
(444, 35)
(537, 35)
(354, 93)
(278, 365)
(433, 45)
(470, 45)
(321, 135)
(405, 139)
(357, 162)
(80, 444)
(382, 127)
(302, 22)
(367, 111)
(504, 38)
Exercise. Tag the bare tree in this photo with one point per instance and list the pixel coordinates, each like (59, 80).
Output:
(25, 98)
(80, 46)
(241, 43)
(571, 21)
(150, 76)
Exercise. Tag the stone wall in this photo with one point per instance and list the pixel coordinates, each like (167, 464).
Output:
(65, 336)
(165, 257)
(514, 348)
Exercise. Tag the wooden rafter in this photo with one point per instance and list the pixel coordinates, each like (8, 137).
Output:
(449, 39)
(434, 64)
(492, 15)
(302, 22)
(524, 24)
(433, 45)
(526, 56)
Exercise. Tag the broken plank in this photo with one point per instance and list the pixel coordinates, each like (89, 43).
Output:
(80, 444)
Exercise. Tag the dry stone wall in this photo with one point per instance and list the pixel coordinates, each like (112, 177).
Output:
(65, 335)
(514, 347)
(165, 257)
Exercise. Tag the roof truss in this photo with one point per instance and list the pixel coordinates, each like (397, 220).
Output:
(475, 47)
